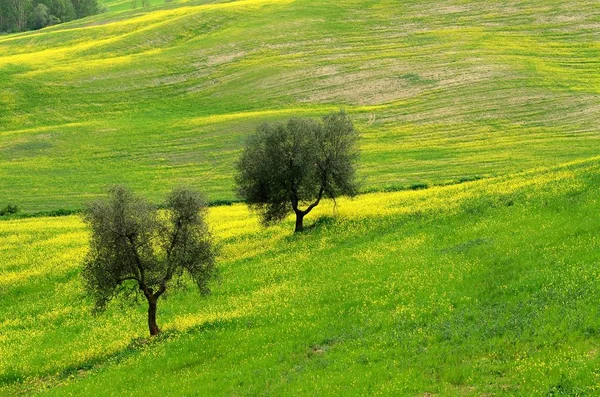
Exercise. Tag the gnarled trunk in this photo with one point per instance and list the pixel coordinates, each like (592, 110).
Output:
(299, 222)
(154, 330)
(301, 214)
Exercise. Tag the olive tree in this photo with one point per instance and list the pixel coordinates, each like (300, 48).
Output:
(135, 248)
(289, 167)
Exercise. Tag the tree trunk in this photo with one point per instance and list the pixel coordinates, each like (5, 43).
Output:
(299, 222)
(152, 316)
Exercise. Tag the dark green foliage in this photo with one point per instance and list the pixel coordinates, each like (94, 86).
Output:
(14, 14)
(41, 214)
(418, 186)
(136, 248)
(58, 212)
(62, 9)
(41, 16)
(85, 7)
(20, 15)
(9, 210)
(285, 166)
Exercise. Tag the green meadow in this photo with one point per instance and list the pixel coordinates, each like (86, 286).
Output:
(485, 288)
(166, 94)
(483, 284)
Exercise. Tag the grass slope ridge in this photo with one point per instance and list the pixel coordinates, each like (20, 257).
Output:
(485, 287)
(440, 91)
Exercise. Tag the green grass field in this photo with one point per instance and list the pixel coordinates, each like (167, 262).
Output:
(166, 94)
(484, 288)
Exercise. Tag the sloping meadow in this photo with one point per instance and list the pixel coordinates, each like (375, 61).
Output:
(440, 91)
(484, 287)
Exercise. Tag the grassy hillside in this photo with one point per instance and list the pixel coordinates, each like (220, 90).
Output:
(126, 5)
(441, 91)
(481, 288)
(488, 287)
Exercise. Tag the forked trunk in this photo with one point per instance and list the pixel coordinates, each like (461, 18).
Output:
(154, 330)
(301, 214)
(299, 222)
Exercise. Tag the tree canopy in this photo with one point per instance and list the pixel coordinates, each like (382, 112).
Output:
(289, 166)
(20, 15)
(135, 248)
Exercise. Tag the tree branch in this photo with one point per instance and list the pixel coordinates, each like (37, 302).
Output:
(161, 290)
(295, 199)
(174, 237)
(138, 261)
(313, 205)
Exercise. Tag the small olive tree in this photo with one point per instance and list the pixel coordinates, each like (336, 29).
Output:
(136, 248)
(289, 167)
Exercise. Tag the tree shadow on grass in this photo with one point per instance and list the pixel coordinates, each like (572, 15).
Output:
(322, 222)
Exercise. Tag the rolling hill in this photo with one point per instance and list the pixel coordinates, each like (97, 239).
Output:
(489, 287)
(441, 92)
